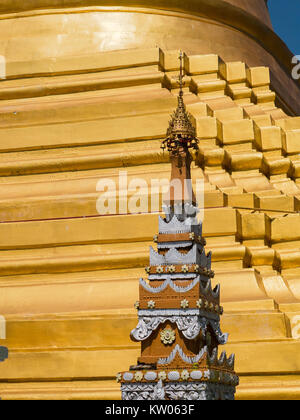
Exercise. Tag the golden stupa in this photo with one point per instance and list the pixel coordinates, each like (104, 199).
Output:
(87, 93)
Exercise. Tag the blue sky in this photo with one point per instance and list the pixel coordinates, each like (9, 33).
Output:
(285, 15)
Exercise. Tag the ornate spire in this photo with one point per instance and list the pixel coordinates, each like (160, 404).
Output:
(181, 131)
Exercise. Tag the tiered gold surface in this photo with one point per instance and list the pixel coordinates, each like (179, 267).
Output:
(45, 36)
(69, 278)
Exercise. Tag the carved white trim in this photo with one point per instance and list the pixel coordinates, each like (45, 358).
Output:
(203, 261)
(173, 256)
(230, 361)
(173, 226)
(223, 358)
(202, 391)
(209, 255)
(184, 357)
(190, 326)
(190, 211)
(213, 358)
(159, 391)
(150, 376)
(199, 391)
(189, 322)
(226, 362)
(128, 376)
(222, 338)
(176, 276)
(139, 391)
(195, 256)
(216, 291)
(208, 291)
(170, 283)
(211, 316)
(196, 375)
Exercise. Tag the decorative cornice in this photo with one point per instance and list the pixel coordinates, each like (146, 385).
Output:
(189, 321)
(205, 290)
(201, 391)
(181, 133)
(173, 256)
(3, 353)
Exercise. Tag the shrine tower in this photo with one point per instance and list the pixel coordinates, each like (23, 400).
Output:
(178, 311)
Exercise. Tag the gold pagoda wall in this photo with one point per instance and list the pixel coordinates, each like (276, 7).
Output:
(88, 92)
